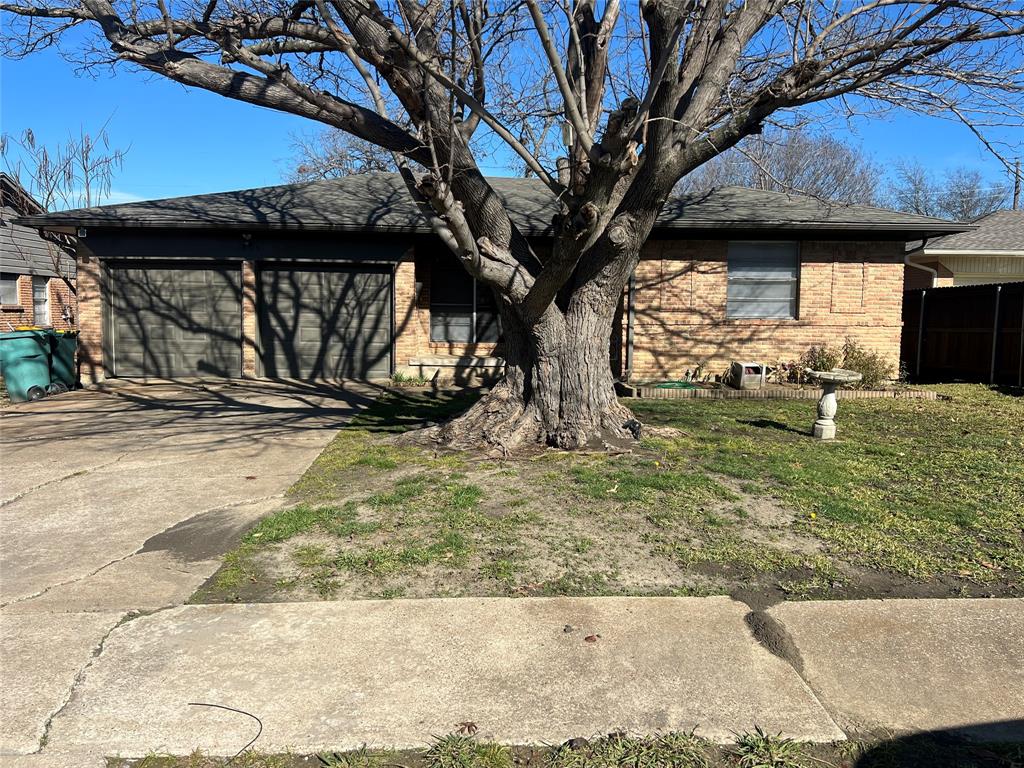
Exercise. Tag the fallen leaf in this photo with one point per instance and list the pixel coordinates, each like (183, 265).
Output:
(591, 638)
(467, 728)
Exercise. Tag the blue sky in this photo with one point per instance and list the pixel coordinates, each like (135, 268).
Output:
(183, 141)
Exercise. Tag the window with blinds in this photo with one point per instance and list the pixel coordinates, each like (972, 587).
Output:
(461, 310)
(764, 280)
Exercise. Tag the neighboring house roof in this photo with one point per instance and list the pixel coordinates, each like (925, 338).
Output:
(1000, 232)
(380, 202)
(22, 250)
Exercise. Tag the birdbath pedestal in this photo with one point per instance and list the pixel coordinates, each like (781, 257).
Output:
(825, 426)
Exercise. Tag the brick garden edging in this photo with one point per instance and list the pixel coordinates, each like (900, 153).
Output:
(783, 394)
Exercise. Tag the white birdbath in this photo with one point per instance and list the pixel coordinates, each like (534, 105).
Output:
(825, 426)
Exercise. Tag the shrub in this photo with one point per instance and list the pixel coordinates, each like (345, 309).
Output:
(871, 365)
(820, 358)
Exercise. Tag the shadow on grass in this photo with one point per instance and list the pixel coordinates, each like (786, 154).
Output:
(771, 424)
(396, 412)
(986, 745)
(1007, 390)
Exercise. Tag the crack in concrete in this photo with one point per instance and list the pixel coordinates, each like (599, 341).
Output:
(60, 584)
(75, 682)
(772, 635)
(142, 549)
(61, 479)
(79, 678)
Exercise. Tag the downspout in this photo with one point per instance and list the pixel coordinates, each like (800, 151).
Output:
(629, 327)
(933, 272)
(995, 337)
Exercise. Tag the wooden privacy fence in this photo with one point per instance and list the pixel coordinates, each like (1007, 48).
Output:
(966, 333)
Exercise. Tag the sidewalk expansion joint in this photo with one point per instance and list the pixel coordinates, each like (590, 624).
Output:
(775, 639)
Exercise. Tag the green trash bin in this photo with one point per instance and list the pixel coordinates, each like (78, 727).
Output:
(25, 360)
(63, 345)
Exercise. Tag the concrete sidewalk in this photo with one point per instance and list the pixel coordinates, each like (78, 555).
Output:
(122, 500)
(393, 673)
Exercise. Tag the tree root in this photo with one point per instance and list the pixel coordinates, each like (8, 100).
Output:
(502, 420)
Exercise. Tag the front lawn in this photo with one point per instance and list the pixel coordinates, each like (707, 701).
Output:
(916, 498)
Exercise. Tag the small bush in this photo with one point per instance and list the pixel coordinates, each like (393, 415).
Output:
(821, 357)
(871, 365)
(402, 379)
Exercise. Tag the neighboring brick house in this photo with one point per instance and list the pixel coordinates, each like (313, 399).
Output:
(342, 278)
(36, 275)
(993, 252)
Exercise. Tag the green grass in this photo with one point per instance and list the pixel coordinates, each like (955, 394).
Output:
(762, 750)
(619, 750)
(917, 487)
(739, 497)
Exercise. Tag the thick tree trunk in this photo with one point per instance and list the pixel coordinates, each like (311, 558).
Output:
(558, 388)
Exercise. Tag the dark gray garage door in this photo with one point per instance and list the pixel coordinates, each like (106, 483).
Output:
(171, 321)
(325, 323)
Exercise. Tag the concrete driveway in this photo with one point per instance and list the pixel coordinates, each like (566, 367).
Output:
(122, 499)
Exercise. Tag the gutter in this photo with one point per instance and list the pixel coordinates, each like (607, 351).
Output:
(933, 272)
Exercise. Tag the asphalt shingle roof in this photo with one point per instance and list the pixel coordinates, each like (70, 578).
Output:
(380, 202)
(999, 231)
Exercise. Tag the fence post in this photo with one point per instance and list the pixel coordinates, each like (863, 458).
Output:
(995, 337)
(920, 335)
(1020, 358)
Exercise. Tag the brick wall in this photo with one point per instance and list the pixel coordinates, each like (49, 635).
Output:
(250, 348)
(847, 289)
(90, 322)
(63, 307)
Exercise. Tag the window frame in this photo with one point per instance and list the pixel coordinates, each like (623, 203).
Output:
(794, 281)
(45, 282)
(474, 331)
(11, 277)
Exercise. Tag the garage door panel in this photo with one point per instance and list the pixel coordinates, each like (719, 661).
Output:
(325, 323)
(170, 321)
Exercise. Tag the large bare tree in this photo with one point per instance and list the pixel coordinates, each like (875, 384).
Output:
(75, 173)
(643, 96)
(962, 194)
(333, 154)
(792, 160)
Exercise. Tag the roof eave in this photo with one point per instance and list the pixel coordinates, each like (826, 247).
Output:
(70, 226)
(1012, 252)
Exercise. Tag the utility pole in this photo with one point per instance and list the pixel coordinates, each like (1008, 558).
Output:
(1016, 185)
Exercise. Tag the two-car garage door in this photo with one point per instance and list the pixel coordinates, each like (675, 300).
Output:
(176, 320)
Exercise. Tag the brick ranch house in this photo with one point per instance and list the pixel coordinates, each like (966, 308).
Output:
(36, 275)
(342, 278)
